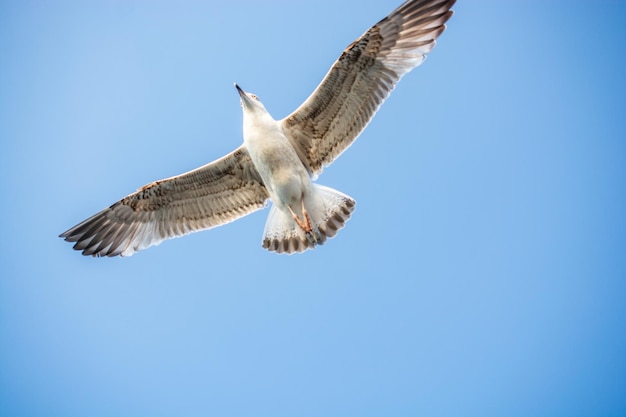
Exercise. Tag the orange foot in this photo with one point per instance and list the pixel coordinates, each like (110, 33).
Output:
(306, 225)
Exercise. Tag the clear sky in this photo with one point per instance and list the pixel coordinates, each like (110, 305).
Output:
(483, 272)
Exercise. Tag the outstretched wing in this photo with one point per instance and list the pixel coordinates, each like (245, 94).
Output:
(336, 113)
(209, 196)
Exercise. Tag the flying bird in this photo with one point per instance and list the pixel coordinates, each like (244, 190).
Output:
(279, 159)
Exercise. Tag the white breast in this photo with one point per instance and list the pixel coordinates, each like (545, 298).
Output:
(274, 157)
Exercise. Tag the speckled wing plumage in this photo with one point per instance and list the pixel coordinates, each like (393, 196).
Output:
(340, 108)
(209, 196)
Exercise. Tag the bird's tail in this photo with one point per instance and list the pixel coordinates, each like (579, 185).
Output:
(328, 209)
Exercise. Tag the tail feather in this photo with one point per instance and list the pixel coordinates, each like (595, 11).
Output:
(328, 209)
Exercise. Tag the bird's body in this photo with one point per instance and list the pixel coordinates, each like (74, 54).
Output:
(272, 154)
(279, 159)
(290, 227)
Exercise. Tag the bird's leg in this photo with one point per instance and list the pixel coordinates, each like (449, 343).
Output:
(310, 235)
(306, 225)
(307, 219)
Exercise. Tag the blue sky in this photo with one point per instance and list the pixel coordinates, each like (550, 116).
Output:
(482, 273)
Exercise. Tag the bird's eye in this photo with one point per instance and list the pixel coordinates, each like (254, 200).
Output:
(254, 96)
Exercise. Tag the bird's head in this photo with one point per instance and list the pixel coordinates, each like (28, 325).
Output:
(249, 102)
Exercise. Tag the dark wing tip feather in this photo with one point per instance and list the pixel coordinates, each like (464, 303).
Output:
(102, 234)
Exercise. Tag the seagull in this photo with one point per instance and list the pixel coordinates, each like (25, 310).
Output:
(279, 160)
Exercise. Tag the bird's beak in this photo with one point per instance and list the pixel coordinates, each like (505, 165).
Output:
(244, 97)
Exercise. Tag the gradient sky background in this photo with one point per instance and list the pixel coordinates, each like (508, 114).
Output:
(483, 272)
